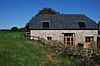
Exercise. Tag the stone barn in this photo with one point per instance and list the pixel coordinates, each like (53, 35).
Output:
(69, 29)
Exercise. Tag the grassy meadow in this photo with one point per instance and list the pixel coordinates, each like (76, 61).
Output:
(16, 50)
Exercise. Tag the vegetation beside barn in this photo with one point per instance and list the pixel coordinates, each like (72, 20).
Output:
(16, 50)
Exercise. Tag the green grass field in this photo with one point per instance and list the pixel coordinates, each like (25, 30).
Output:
(16, 50)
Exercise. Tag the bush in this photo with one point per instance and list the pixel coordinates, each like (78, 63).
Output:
(14, 29)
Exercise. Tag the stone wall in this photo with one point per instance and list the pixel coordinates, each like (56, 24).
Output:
(57, 35)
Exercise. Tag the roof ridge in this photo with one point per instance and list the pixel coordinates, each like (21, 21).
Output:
(61, 14)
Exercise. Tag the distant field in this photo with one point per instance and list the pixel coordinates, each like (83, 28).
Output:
(16, 50)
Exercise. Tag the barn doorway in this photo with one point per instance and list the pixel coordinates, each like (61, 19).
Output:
(89, 41)
(69, 39)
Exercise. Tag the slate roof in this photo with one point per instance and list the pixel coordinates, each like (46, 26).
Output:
(62, 21)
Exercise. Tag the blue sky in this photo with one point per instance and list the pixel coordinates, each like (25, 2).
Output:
(19, 12)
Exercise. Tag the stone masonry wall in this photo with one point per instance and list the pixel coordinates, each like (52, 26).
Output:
(57, 35)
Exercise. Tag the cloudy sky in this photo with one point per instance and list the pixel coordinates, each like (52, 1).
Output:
(19, 12)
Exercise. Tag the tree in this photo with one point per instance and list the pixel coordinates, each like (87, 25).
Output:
(14, 29)
(27, 26)
(25, 29)
(47, 11)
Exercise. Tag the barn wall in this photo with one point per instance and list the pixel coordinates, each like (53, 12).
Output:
(57, 35)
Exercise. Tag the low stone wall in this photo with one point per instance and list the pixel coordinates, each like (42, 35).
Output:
(69, 51)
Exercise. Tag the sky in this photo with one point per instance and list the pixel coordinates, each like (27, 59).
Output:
(19, 12)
